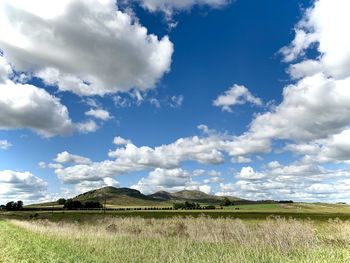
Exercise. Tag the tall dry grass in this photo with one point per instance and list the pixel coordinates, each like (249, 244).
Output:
(200, 239)
(278, 233)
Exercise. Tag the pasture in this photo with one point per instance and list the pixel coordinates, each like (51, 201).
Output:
(247, 233)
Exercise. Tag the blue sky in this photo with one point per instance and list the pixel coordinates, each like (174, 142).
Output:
(245, 98)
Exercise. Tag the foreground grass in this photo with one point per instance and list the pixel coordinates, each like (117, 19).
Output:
(175, 240)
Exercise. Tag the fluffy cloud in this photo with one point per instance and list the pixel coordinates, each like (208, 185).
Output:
(26, 106)
(334, 149)
(99, 114)
(5, 70)
(85, 186)
(323, 26)
(57, 43)
(298, 182)
(169, 180)
(202, 150)
(21, 186)
(87, 127)
(169, 5)
(236, 95)
(316, 107)
(248, 173)
(130, 158)
(121, 141)
(66, 157)
(313, 108)
(5, 144)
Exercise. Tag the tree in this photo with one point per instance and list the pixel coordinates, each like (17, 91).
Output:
(92, 205)
(227, 202)
(19, 205)
(73, 204)
(13, 206)
(61, 201)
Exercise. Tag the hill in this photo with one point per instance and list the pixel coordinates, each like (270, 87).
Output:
(193, 196)
(119, 197)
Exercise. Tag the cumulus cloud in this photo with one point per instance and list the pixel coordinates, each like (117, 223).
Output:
(168, 6)
(66, 157)
(316, 107)
(26, 106)
(202, 150)
(324, 27)
(99, 114)
(5, 144)
(169, 180)
(313, 108)
(5, 70)
(131, 158)
(333, 149)
(236, 95)
(121, 141)
(85, 186)
(87, 127)
(298, 182)
(21, 186)
(63, 50)
(248, 173)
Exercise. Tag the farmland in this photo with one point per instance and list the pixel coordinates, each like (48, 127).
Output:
(201, 239)
(135, 232)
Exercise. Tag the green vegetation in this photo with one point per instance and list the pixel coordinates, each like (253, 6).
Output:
(175, 240)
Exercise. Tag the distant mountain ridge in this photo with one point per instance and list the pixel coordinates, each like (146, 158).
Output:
(125, 197)
(128, 196)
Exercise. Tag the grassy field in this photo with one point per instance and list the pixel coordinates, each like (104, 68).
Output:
(171, 240)
(273, 233)
(318, 212)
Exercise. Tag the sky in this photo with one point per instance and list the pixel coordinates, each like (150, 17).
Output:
(245, 98)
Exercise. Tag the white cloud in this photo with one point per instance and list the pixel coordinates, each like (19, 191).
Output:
(325, 27)
(5, 70)
(202, 150)
(85, 186)
(333, 149)
(21, 186)
(121, 141)
(99, 114)
(314, 108)
(248, 173)
(176, 101)
(298, 182)
(66, 157)
(214, 180)
(169, 180)
(236, 95)
(87, 127)
(241, 159)
(168, 6)
(86, 47)
(26, 106)
(5, 144)
(214, 173)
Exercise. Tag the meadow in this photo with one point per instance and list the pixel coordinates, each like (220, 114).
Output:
(252, 233)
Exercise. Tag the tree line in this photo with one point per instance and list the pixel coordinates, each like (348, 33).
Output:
(12, 206)
(71, 204)
(191, 206)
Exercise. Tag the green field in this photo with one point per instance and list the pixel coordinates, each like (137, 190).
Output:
(318, 212)
(247, 233)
